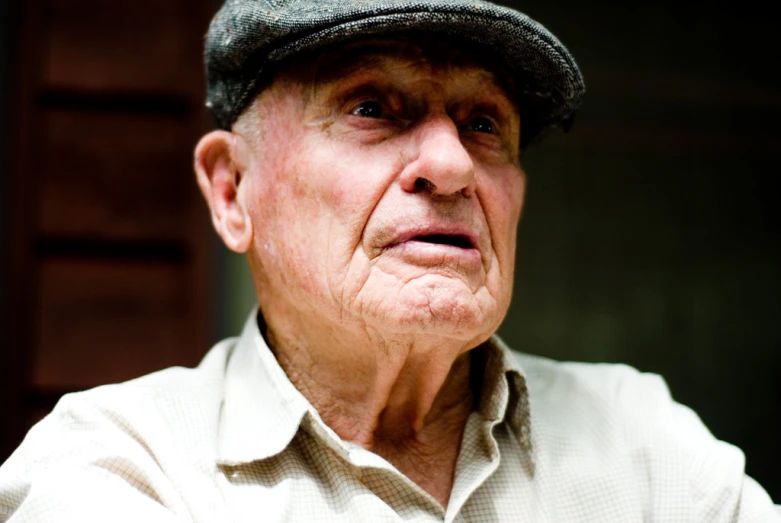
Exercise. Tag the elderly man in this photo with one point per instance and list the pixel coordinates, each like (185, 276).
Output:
(369, 168)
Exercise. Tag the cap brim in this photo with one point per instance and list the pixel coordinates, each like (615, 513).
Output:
(548, 82)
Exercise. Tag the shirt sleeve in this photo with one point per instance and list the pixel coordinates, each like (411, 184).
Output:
(719, 487)
(80, 465)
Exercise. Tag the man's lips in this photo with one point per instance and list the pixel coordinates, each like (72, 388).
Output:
(437, 249)
(437, 246)
(461, 242)
(458, 237)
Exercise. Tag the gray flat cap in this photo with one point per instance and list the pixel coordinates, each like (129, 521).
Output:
(247, 38)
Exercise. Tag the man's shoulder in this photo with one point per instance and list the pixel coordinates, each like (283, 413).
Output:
(153, 410)
(610, 378)
(615, 416)
(614, 410)
(616, 381)
(162, 390)
(616, 396)
(137, 442)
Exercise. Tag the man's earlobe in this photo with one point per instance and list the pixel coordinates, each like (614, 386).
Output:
(220, 164)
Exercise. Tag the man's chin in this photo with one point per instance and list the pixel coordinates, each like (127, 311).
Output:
(443, 307)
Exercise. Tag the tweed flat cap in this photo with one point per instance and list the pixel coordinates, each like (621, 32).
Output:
(247, 38)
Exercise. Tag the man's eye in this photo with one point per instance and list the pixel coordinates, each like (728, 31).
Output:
(482, 124)
(369, 109)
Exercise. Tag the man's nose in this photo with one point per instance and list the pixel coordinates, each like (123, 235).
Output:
(440, 165)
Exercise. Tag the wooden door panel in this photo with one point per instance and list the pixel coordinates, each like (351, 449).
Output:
(115, 175)
(104, 321)
(143, 45)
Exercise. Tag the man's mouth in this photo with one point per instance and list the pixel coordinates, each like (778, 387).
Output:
(438, 246)
(454, 240)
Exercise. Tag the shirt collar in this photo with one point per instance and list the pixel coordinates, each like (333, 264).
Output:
(504, 395)
(262, 410)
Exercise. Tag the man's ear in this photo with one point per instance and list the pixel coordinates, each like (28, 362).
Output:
(221, 158)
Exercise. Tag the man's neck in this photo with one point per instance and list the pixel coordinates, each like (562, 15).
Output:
(406, 402)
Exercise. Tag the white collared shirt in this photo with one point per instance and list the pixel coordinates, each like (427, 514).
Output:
(234, 441)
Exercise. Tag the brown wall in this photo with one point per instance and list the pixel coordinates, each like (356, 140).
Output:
(107, 247)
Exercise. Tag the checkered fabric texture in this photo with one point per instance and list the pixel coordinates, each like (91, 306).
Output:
(234, 441)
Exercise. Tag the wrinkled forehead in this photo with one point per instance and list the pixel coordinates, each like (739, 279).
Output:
(397, 54)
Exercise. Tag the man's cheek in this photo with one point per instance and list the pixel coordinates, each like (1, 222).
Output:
(507, 194)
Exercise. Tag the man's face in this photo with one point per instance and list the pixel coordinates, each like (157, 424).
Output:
(385, 190)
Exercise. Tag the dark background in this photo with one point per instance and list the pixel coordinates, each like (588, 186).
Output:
(649, 235)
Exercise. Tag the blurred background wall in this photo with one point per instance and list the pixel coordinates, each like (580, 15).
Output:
(109, 263)
(651, 232)
(6, 39)
(649, 235)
